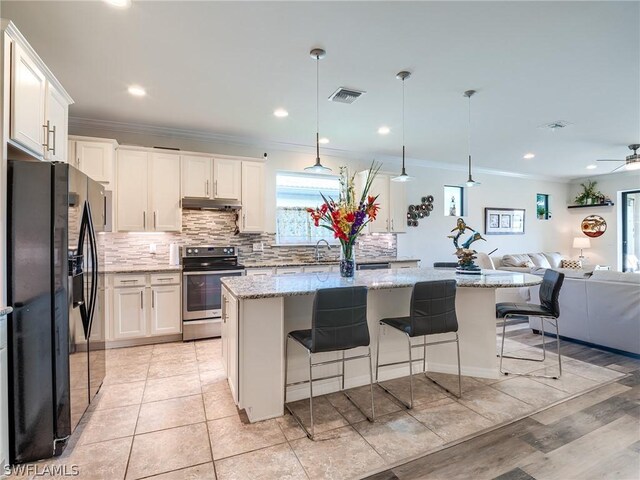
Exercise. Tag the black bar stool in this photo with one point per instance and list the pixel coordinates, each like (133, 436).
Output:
(549, 310)
(338, 323)
(433, 311)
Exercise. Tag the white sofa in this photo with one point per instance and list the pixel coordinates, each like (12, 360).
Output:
(539, 262)
(603, 309)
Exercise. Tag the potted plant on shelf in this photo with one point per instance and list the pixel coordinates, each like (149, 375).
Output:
(542, 212)
(589, 194)
(348, 216)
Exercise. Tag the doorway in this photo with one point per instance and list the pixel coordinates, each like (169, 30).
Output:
(631, 231)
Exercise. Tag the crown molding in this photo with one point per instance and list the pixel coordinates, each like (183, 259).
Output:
(202, 136)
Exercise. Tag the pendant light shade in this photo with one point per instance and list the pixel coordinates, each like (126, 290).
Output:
(403, 177)
(317, 54)
(470, 181)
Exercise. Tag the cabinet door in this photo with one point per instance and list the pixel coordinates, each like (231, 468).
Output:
(252, 213)
(57, 113)
(129, 313)
(165, 214)
(380, 187)
(165, 310)
(95, 159)
(196, 176)
(28, 94)
(4, 409)
(398, 207)
(232, 346)
(132, 191)
(226, 178)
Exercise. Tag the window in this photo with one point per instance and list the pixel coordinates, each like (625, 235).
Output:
(630, 231)
(542, 206)
(295, 192)
(453, 201)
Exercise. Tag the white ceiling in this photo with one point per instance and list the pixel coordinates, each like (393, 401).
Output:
(224, 67)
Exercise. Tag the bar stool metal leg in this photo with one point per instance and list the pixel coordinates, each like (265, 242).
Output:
(311, 395)
(459, 394)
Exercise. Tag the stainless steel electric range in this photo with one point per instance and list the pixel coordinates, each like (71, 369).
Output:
(202, 268)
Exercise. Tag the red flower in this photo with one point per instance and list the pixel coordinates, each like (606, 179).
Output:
(350, 217)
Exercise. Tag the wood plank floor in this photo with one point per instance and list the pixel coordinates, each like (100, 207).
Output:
(593, 436)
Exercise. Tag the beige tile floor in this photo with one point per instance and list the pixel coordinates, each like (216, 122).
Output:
(165, 412)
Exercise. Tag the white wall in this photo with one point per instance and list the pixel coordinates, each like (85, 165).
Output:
(606, 249)
(427, 242)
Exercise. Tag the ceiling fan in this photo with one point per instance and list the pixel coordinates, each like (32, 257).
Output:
(631, 162)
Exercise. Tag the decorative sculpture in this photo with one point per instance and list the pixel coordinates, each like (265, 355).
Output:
(465, 254)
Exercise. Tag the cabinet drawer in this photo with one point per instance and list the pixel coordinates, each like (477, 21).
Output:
(165, 278)
(129, 280)
(259, 271)
(317, 269)
(288, 270)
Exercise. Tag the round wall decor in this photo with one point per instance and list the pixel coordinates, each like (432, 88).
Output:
(593, 226)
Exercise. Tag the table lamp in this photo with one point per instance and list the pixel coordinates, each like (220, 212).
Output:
(581, 242)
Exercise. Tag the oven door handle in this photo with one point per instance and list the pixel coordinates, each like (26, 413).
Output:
(213, 272)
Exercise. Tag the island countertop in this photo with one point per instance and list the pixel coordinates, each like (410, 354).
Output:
(269, 286)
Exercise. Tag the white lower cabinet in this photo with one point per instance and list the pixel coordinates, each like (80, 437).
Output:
(139, 307)
(129, 313)
(257, 272)
(165, 310)
(230, 359)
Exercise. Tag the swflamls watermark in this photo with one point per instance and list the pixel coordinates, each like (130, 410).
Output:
(35, 470)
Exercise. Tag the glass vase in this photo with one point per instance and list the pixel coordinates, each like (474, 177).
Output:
(347, 263)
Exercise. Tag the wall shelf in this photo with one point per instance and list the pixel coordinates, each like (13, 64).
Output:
(594, 205)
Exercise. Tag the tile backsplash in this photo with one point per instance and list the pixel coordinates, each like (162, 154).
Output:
(206, 227)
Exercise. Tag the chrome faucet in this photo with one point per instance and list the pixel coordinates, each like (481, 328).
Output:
(318, 251)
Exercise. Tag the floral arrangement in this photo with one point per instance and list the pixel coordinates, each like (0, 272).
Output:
(589, 193)
(348, 216)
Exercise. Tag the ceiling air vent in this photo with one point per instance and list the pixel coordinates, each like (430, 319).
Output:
(345, 95)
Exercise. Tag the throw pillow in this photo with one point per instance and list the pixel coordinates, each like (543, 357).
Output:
(554, 259)
(539, 260)
(515, 260)
(573, 264)
(527, 264)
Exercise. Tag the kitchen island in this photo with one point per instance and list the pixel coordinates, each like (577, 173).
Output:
(258, 312)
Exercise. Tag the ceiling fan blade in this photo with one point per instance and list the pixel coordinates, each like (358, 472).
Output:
(618, 168)
(608, 160)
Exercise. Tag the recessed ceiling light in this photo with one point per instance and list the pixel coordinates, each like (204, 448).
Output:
(529, 156)
(323, 140)
(281, 113)
(384, 130)
(137, 91)
(591, 167)
(119, 3)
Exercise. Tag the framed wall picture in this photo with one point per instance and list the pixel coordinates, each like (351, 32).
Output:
(503, 221)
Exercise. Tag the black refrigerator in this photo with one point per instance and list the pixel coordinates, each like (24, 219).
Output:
(56, 331)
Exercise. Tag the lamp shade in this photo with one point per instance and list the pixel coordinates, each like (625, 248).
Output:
(581, 242)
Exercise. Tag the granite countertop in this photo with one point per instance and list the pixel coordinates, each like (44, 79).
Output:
(123, 268)
(299, 263)
(5, 310)
(306, 283)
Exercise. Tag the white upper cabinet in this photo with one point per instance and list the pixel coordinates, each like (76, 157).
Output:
(397, 207)
(226, 178)
(392, 216)
(95, 159)
(164, 193)
(28, 101)
(252, 217)
(132, 193)
(148, 191)
(197, 174)
(57, 109)
(38, 103)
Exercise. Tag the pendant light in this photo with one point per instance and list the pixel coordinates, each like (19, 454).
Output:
(470, 181)
(317, 54)
(403, 177)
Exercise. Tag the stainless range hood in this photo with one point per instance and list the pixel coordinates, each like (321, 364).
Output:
(191, 203)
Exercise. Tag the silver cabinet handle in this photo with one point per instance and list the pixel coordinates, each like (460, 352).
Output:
(392, 225)
(154, 219)
(129, 281)
(215, 189)
(141, 300)
(244, 221)
(53, 150)
(164, 279)
(153, 299)
(206, 188)
(46, 135)
(144, 220)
